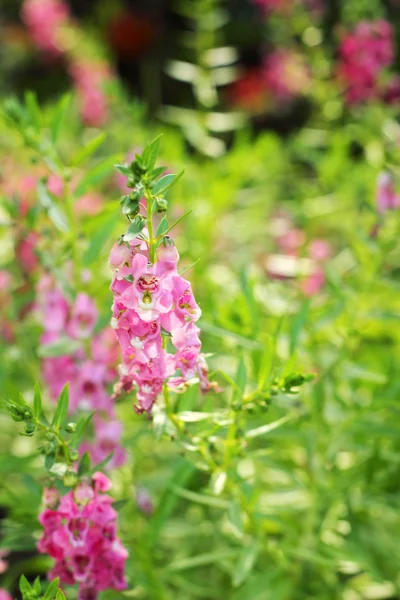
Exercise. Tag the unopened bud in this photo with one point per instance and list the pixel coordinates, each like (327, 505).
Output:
(74, 455)
(161, 205)
(70, 427)
(30, 428)
(70, 479)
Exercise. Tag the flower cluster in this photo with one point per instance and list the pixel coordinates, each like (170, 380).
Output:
(89, 366)
(80, 533)
(44, 18)
(285, 75)
(154, 305)
(297, 258)
(364, 54)
(89, 79)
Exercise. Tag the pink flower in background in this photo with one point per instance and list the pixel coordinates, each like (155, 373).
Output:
(144, 501)
(4, 595)
(25, 252)
(299, 260)
(87, 368)
(272, 5)
(89, 79)
(386, 197)
(83, 317)
(150, 301)
(285, 75)
(364, 54)
(107, 440)
(44, 18)
(80, 533)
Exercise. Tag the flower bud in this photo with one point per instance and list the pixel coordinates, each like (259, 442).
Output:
(70, 427)
(74, 455)
(161, 205)
(70, 479)
(17, 413)
(30, 428)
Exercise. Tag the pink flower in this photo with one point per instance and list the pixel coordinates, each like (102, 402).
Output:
(81, 536)
(150, 301)
(44, 18)
(25, 252)
(272, 5)
(107, 440)
(89, 78)
(286, 75)
(364, 54)
(88, 368)
(83, 317)
(386, 198)
(4, 595)
(144, 501)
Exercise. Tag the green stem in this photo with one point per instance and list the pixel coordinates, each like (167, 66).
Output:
(152, 245)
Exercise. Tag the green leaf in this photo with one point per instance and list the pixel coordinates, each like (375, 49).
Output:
(24, 585)
(163, 184)
(182, 271)
(178, 221)
(51, 589)
(99, 238)
(182, 474)
(298, 325)
(267, 361)
(53, 210)
(94, 176)
(208, 558)
(61, 411)
(119, 505)
(59, 116)
(33, 110)
(162, 227)
(100, 466)
(61, 347)
(235, 516)
(245, 563)
(87, 151)
(135, 228)
(150, 154)
(84, 464)
(124, 168)
(37, 401)
(264, 429)
(81, 427)
(241, 378)
(60, 595)
(205, 499)
(157, 172)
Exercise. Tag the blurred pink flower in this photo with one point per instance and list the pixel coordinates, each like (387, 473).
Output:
(386, 197)
(286, 75)
(43, 19)
(364, 54)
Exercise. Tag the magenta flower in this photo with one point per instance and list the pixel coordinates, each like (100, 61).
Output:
(81, 535)
(4, 595)
(364, 54)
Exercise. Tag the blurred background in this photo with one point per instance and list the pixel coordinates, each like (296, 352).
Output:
(284, 115)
